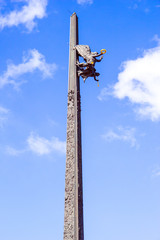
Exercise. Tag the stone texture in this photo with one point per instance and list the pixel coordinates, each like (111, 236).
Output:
(69, 212)
(73, 215)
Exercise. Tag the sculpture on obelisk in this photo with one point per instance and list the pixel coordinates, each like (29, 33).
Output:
(87, 69)
(73, 212)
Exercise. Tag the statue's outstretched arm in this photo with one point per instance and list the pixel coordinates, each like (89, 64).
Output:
(99, 60)
(103, 51)
(98, 55)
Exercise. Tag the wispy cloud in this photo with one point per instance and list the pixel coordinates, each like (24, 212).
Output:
(139, 5)
(14, 152)
(134, 6)
(146, 10)
(3, 110)
(156, 39)
(52, 122)
(3, 116)
(81, 2)
(156, 172)
(33, 61)
(104, 93)
(39, 146)
(26, 16)
(122, 134)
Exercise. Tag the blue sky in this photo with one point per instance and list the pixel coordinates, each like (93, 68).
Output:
(120, 118)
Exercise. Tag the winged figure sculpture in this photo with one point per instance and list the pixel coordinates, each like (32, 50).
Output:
(87, 69)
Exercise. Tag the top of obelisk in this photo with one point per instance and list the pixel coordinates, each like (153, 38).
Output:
(73, 14)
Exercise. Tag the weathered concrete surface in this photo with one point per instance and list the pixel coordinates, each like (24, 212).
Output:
(73, 216)
(69, 214)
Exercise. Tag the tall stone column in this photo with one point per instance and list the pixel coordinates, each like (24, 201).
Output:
(73, 215)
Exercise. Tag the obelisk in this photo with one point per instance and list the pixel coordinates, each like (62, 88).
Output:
(73, 213)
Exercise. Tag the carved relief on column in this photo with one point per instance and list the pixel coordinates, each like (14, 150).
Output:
(80, 184)
(70, 171)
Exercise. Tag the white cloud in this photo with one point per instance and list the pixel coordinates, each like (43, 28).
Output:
(103, 94)
(139, 81)
(26, 16)
(122, 134)
(84, 1)
(3, 116)
(3, 110)
(14, 152)
(135, 6)
(39, 146)
(33, 61)
(52, 122)
(156, 39)
(156, 172)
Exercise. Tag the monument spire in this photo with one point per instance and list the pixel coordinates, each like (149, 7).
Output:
(73, 215)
